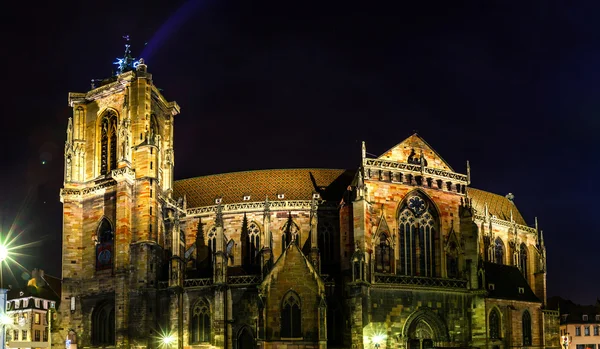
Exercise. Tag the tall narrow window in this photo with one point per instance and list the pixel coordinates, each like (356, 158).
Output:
(526, 328)
(326, 242)
(154, 131)
(212, 241)
(494, 324)
(383, 255)
(291, 316)
(200, 323)
(79, 123)
(104, 245)
(108, 142)
(418, 226)
(499, 251)
(103, 324)
(254, 243)
(523, 260)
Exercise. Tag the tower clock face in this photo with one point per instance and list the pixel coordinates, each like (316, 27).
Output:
(104, 257)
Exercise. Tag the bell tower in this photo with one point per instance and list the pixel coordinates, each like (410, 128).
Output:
(120, 223)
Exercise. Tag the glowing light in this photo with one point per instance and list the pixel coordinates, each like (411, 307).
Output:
(3, 253)
(5, 320)
(378, 338)
(168, 340)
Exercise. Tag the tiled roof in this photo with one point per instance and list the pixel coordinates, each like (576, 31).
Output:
(507, 280)
(300, 184)
(295, 184)
(498, 205)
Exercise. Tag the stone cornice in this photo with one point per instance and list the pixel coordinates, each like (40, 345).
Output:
(259, 206)
(111, 88)
(416, 170)
(520, 227)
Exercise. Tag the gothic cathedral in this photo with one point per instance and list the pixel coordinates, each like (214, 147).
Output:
(397, 253)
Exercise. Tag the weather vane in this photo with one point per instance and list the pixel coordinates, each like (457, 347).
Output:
(126, 63)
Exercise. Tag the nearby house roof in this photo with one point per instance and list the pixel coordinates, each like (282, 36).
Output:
(572, 313)
(39, 286)
(295, 184)
(507, 280)
(498, 205)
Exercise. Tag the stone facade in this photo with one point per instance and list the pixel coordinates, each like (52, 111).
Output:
(398, 253)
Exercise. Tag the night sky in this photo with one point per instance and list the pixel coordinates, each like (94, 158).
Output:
(514, 88)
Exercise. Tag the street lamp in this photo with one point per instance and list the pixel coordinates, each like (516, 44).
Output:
(167, 339)
(3, 256)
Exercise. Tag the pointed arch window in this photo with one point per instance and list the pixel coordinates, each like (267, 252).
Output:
(108, 142)
(291, 316)
(254, 243)
(212, 240)
(452, 260)
(526, 323)
(384, 255)
(494, 324)
(79, 123)
(418, 226)
(104, 245)
(326, 244)
(201, 325)
(523, 260)
(103, 324)
(499, 251)
(154, 131)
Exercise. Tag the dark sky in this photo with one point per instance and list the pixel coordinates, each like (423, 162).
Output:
(511, 86)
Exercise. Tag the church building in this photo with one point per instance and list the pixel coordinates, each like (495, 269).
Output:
(397, 252)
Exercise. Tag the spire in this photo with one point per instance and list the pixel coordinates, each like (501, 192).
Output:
(219, 218)
(468, 173)
(364, 153)
(127, 62)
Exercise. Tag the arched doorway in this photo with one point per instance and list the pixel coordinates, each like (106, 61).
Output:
(424, 329)
(245, 339)
(420, 335)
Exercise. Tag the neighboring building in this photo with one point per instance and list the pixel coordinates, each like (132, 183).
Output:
(398, 252)
(31, 309)
(580, 323)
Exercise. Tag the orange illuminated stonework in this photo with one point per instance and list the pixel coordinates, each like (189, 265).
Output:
(398, 252)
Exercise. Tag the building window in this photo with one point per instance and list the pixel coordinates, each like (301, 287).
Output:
(596, 330)
(499, 251)
(36, 318)
(104, 245)
(212, 241)
(586, 331)
(384, 255)
(526, 328)
(103, 324)
(523, 261)
(37, 336)
(253, 243)
(578, 331)
(418, 223)
(45, 334)
(291, 316)
(494, 324)
(108, 142)
(200, 322)
(584, 318)
(16, 335)
(326, 242)
(24, 335)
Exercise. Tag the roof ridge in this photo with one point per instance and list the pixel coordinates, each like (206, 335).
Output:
(264, 170)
